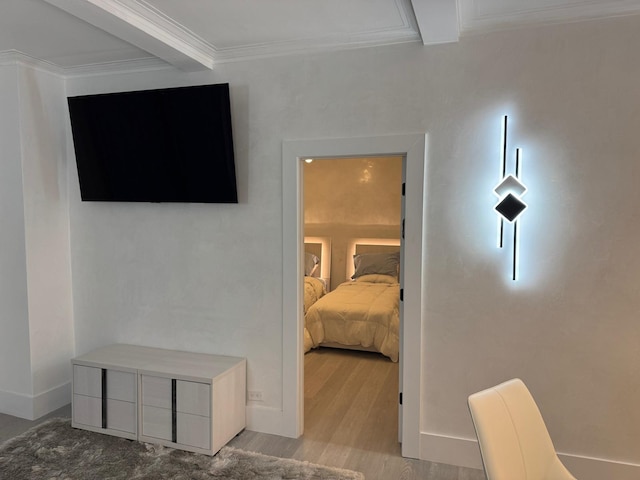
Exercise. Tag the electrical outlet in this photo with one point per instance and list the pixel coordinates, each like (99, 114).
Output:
(255, 396)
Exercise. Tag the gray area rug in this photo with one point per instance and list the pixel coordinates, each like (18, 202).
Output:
(54, 450)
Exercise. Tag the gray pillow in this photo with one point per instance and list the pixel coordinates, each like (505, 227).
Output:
(380, 263)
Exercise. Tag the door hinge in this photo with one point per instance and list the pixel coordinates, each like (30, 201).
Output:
(402, 294)
(403, 228)
(404, 187)
(400, 398)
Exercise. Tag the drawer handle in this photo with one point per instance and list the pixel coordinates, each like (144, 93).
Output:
(104, 398)
(174, 411)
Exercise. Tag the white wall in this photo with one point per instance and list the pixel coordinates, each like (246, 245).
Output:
(15, 367)
(208, 277)
(37, 338)
(46, 213)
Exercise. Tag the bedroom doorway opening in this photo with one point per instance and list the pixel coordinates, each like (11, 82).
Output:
(352, 219)
(413, 148)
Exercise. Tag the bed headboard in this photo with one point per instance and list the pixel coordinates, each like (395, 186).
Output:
(321, 248)
(369, 245)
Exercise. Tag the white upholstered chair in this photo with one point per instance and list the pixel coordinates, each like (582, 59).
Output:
(514, 441)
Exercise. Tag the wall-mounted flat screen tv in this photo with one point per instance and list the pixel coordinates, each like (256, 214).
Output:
(167, 145)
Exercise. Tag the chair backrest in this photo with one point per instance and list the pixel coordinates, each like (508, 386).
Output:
(514, 441)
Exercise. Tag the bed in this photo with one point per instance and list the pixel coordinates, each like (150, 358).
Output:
(314, 290)
(362, 313)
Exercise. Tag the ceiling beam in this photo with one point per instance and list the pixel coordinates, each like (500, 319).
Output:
(144, 28)
(437, 20)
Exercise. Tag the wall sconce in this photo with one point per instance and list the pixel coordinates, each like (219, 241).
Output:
(509, 192)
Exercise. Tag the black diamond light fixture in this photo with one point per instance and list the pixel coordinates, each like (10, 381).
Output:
(510, 207)
(509, 192)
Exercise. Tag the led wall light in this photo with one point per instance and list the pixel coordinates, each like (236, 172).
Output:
(509, 192)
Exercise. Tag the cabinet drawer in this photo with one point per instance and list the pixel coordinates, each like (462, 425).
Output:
(87, 410)
(193, 430)
(156, 391)
(121, 416)
(193, 397)
(121, 386)
(156, 422)
(87, 381)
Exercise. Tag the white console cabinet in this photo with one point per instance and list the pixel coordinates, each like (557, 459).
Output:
(184, 400)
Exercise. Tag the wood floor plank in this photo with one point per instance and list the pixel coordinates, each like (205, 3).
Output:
(351, 421)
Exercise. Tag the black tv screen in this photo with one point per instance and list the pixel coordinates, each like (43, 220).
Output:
(167, 145)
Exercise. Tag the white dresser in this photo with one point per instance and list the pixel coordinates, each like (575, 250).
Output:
(190, 401)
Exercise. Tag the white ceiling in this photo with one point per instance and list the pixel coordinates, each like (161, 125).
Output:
(75, 36)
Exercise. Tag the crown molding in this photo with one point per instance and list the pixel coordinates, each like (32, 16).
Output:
(406, 32)
(139, 24)
(153, 21)
(121, 66)
(15, 58)
(474, 21)
(314, 45)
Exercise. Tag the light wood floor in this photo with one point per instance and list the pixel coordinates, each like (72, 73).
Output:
(13, 426)
(351, 421)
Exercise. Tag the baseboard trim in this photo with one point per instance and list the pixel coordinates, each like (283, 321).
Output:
(589, 468)
(32, 407)
(51, 400)
(265, 420)
(450, 450)
(465, 452)
(16, 404)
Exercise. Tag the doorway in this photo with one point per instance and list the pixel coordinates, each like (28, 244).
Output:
(413, 148)
(352, 206)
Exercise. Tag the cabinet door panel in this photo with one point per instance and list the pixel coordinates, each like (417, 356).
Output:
(156, 422)
(193, 430)
(87, 410)
(156, 391)
(193, 397)
(121, 386)
(121, 416)
(87, 381)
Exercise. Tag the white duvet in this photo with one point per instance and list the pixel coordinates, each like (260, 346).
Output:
(362, 313)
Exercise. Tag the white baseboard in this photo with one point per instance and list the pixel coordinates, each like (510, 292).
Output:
(16, 404)
(450, 450)
(265, 420)
(587, 468)
(466, 453)
(51, 400)
(32, 407)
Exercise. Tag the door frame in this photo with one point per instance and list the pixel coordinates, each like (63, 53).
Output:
(413, 148)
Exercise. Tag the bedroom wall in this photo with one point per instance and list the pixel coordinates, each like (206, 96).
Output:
(37, 338)
(352, 198)
(208, 278)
